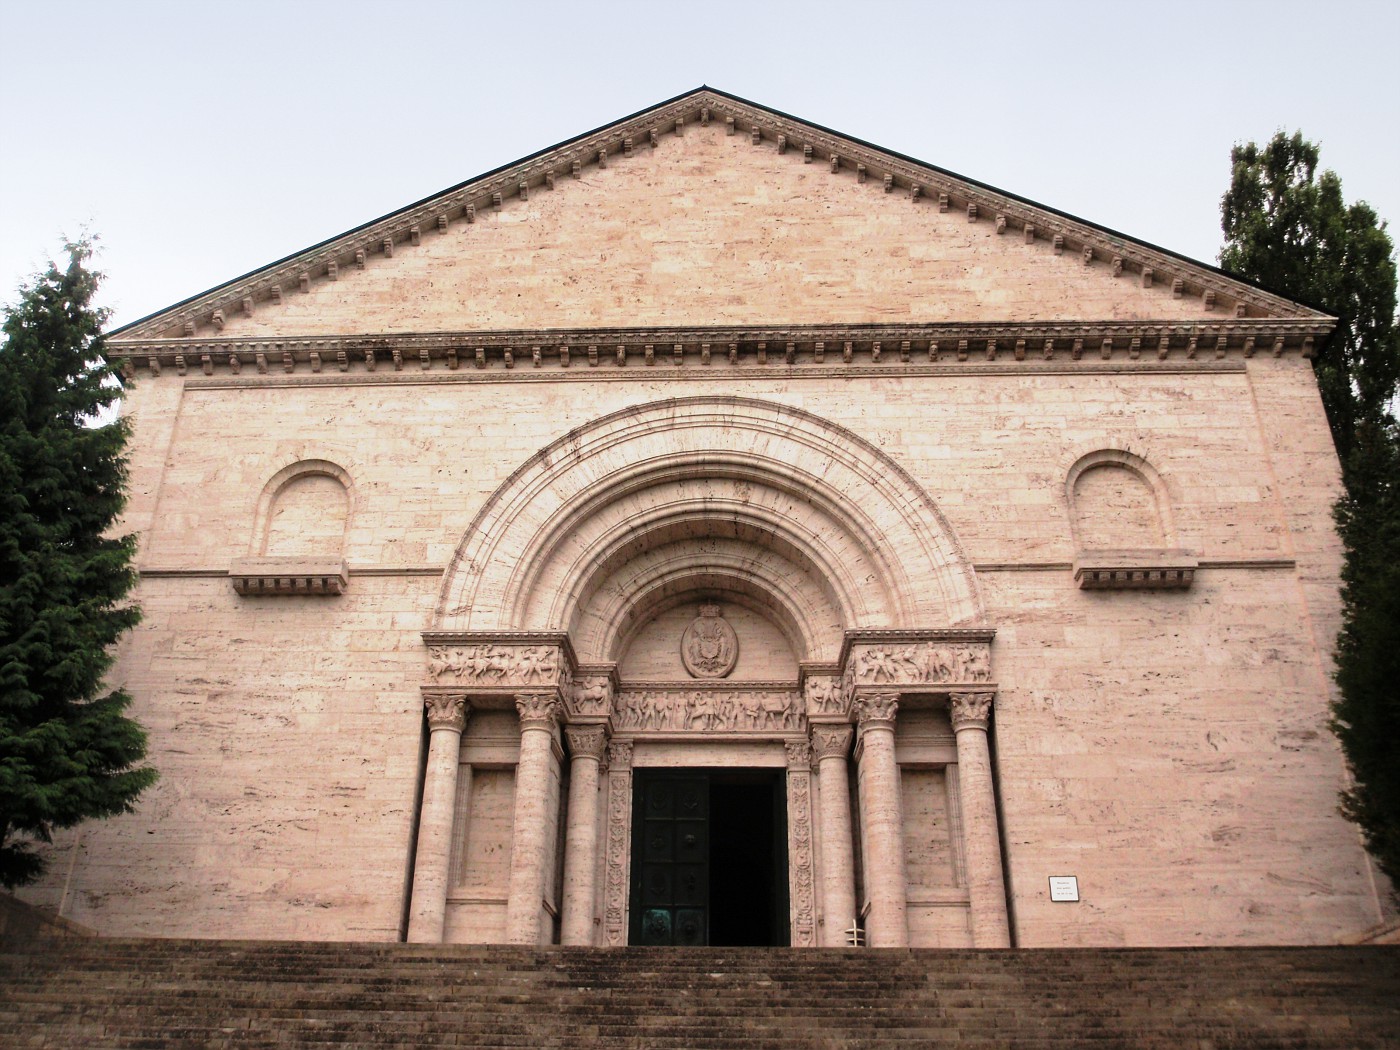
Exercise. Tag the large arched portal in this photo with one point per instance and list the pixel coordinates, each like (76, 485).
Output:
(702, 590)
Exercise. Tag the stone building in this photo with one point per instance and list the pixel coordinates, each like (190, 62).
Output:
(718, 529)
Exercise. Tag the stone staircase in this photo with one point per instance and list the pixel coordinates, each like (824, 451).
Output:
(106, 992)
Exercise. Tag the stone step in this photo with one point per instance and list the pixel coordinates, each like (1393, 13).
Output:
(240, 995)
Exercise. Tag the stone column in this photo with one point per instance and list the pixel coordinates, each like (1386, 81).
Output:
(586, 744)
(882, 822)
(982, 843)
(536, 815)
(447, 717)
(801, 891)
(619, 842)
(830, 745)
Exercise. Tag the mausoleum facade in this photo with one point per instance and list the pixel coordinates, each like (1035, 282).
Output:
(718, 530)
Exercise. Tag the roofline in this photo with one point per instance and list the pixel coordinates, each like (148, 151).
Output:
(1110, 231)
(779, 114)
(416, 204)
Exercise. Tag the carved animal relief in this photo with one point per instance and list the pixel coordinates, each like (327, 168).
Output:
(919, 663)
(671, 710)
(507, 665)
(591, 696)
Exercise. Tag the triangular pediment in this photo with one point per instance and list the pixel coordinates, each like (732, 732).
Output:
(708, 210)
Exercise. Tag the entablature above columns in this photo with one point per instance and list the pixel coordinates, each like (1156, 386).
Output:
(619, 353)
(915, 666)
(492, 668)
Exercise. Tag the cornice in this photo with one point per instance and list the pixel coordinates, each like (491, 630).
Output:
(523, 352)
(926, 184)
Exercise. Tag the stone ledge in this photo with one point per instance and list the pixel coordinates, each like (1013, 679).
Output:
(1135, 570)
(289, 576)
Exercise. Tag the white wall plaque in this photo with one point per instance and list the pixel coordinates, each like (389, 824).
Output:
(1064, 888)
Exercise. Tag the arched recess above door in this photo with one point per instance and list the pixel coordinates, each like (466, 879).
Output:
(632, 511)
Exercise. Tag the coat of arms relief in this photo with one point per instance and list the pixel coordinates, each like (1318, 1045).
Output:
(709, 646)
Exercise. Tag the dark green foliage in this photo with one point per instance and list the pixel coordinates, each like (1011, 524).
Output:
(1367, 717)
(67, 752)
(1288, 228)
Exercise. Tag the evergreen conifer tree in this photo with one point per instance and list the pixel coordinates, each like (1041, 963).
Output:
(1288, 228)
(67, 751)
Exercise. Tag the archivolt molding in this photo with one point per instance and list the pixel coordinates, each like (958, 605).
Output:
(1169, 567)
(924, 184)
(776, 589)
(293, 472)
(627, 549)
(830, 502)
(1138, 465)
(297, 575)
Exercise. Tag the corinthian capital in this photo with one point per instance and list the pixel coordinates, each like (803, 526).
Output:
(831, 741)
(537, 710)
(446, 710)
(587, 741)
(876, 709)
(970, 710)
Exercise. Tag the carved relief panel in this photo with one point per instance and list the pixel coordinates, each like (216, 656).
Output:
(761, 708)
(502, 664)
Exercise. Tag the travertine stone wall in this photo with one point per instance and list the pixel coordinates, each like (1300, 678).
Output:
(1169, 748)
(1146, 742)
(709, 229)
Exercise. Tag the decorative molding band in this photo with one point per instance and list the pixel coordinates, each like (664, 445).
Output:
(1022, 566)
(1204, 563)
(1248, 563)
(397, 570)
(925, 185)
(265, 577)
(779, 349)
(352, 570)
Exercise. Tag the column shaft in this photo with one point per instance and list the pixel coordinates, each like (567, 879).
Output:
(536, 817)
(982, 841)
(446, 719)
(881, 810)
(831, 744)
(586, 745)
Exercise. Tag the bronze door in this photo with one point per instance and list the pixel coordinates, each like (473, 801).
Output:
(709, 857)
(671, 859)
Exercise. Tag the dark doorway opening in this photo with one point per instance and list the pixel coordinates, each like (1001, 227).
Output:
(709, 858)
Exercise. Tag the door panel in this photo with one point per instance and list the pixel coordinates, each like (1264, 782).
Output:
(671, 840)
(697, 882)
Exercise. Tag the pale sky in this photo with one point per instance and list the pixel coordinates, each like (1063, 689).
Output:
(200, 140)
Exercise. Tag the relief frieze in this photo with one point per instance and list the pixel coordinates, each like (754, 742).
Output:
(825, 695)
(592, 696)
(494, 664)
(918, 663)
(710, 710)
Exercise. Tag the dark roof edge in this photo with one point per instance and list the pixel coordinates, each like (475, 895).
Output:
(1106, 230)
(415, 204)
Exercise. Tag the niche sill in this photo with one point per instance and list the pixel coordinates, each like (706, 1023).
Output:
(289, 576)
(1135, 570)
